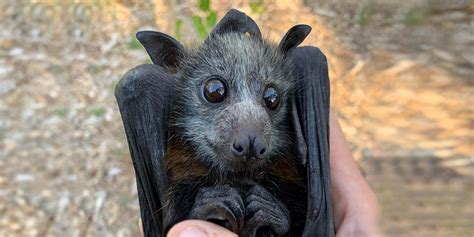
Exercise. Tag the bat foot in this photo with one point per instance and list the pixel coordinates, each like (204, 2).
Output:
(221, 205)
(265, 214)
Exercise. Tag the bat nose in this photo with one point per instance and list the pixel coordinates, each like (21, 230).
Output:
(259, 148)
(248, 144)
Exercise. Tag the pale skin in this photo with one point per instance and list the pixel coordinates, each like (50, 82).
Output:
(356, 209)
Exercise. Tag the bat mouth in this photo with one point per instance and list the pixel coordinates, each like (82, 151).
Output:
(246, 163)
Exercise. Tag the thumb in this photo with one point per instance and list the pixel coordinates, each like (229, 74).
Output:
(198, 228)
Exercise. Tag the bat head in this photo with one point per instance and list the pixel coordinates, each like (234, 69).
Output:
(235, 97)
(232, 106)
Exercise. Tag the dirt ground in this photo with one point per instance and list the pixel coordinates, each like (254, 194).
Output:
(402, 86)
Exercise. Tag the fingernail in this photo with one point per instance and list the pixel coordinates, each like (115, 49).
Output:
(192, 232)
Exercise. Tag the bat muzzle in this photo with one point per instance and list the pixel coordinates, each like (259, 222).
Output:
(249, 146)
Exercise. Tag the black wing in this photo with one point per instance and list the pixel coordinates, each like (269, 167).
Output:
(143, 97)
(311, 122)
(310, 115)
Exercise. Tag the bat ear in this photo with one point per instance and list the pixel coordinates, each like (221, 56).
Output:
(294, 37)
(163, 49)
(236, 21)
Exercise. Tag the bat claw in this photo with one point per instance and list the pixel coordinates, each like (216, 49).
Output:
(266, 215)
(221, 205)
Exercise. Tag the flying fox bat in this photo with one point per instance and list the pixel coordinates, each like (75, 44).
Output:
(232, 131)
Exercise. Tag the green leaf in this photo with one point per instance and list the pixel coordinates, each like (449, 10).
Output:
(204, 5)
(199, 26)
(211, 19)
(257, 7)
(134, 43)
(60, 111)
(98, 111)
(364, 16)
(416, 16)
(178, 25)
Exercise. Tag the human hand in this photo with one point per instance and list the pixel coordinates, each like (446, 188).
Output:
(355, 207)
(195, 228)
(198, 228)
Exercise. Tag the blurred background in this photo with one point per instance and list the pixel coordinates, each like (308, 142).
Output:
(402, 85)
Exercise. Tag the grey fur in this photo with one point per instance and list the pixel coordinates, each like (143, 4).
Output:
(247, 65)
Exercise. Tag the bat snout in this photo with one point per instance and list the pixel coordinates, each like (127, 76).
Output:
(248, 144)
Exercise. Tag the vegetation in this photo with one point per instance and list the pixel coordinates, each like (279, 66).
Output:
(416, 16)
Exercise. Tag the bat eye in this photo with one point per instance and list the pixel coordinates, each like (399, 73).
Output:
(214, 90)
(271, 98)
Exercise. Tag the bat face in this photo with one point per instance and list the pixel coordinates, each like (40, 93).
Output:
(233, 101)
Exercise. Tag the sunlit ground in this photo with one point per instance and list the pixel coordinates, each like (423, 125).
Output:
(401, 85)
